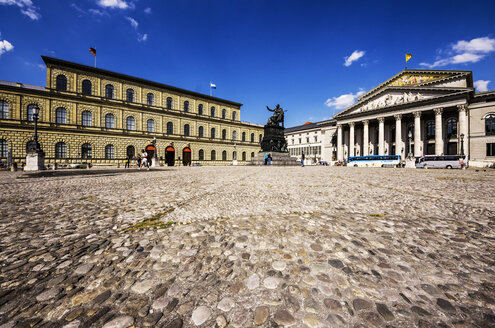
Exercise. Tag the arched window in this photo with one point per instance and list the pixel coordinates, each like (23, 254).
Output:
(61, 116)
(252, 137)
(130, 95)
(170, 128)
(87, 87)
(30, 112)
(60, 150)
(252, 154)
(61, 83)
(224, 155)
(243, 155)
(244, 136)
(224, 134)
(186, 106)
(430, 129)
(200, 109)
(212, 134)
(169, 103)
(213, 155)
(186, 130)
(4, 110)
(109, 152)
(451, 128)
(150, 125)
(130, 123)
(201, 155)
(201, 132)
(86, 151)
(4, 148)
(234, 135)
(234, 116)
(224, 113)
(87, 118)
(130, 151)
(109, 91)
(109, 121)
(490, 124)
(212, 111)
(150, 99)
(260, 138)
(234, 155)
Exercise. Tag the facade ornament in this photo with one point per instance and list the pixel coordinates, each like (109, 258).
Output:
(417, 114)
(366, 122)
(398, 117)
(381, 119)
(462, 108)
(438, 111)
(351, 124)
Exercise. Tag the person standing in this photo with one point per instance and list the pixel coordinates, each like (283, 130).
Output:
(302, 159)
(269, 159)
(138, 159)
(266, 159)
(128, 162)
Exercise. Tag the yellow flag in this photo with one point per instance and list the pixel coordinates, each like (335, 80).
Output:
(408, 56)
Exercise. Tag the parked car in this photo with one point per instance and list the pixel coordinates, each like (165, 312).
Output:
(442, 162)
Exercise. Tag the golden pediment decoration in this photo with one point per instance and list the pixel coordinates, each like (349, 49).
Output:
(413, 79)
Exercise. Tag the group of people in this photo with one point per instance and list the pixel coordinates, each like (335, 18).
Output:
(143, 160)
(268, 158)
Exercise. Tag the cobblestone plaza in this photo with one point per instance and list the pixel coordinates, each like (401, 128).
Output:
(247, 247)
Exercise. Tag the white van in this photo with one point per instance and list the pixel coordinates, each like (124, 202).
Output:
(442, 162)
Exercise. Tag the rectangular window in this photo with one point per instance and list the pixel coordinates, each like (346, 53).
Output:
(490, 149)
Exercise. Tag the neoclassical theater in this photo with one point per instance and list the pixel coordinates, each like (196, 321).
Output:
(98, 116)
(425, 112)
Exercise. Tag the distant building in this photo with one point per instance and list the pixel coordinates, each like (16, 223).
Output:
(94, 115)
(312, 139)
(438, 108)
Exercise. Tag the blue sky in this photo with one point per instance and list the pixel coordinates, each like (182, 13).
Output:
(312, 57)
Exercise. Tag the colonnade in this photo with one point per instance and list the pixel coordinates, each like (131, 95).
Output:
(417, 140)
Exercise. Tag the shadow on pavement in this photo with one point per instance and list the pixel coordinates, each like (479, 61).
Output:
(86, 172)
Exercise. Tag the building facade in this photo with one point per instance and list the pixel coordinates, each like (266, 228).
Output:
(418, 112)
(314, 139)
(98, 116)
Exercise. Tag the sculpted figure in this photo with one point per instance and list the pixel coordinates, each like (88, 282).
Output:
(277, 117)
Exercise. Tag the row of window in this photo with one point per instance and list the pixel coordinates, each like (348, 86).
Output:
(61, 85)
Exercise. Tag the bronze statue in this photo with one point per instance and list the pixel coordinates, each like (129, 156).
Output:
(277, 117)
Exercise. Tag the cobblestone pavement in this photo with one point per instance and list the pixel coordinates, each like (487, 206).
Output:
(247, 247)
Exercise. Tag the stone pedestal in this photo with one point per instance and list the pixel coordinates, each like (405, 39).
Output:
(279, 159)
(410, 163)
(35, 160)
(155, 162)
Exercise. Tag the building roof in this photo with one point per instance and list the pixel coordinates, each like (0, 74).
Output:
(63, 63)
(302, 127)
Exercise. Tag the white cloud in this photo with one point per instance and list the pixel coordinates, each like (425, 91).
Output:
(97, 12)
(345, 100)
(79, 10)
(467, 52)
(353, 57)
(5, 46)
(121, 4)
(133, 22)
(142, 37)
(147, 11)
(481, 85)
(27, 7)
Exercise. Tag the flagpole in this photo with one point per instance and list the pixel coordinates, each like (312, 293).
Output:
(210, 88)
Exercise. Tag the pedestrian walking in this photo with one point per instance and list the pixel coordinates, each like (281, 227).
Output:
(144, 159)
(128, 162)
(138, 159)
(302, 159)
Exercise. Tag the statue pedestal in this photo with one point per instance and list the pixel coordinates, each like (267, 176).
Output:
(155, 162)
(35, 160)
(410, 163)
(278, 159)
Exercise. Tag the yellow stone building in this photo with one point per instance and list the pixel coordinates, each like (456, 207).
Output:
(93, 115)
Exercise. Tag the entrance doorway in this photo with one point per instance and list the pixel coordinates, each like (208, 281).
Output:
(186, 156)
(150, 149)
(170, 156)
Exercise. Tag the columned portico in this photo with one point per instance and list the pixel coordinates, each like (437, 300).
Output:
(463, 128)
(438, 131)
(381, 136)
(366, 137)
(351, 139)
(417, 135)
(398, 134)
(340, 150)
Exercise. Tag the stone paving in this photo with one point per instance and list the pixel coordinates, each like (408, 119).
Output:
(248, 247)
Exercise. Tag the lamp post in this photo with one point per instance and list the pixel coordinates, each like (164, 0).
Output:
(35, 157)
(155, 155)
(409, 135)
(234, 159)
(462, 143)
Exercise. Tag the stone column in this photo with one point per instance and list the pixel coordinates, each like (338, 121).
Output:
(417, 135)
(340, 150)
(463, 128)
(366, 137)
(438, 131)
(398, 134)
(351, 139)
(381, 136)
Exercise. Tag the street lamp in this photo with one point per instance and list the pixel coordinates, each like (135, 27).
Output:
(35, 157)
(410, 155)
(462, 143)
(155, 155)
